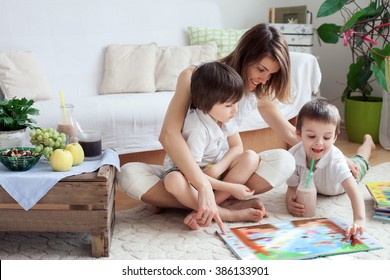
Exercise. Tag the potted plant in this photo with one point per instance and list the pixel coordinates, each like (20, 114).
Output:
(15, 117)
(366, 33)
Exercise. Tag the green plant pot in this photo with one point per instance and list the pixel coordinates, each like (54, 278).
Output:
(362, 117)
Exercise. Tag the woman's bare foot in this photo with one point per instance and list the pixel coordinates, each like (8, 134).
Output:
(255, 203)
(191, 222)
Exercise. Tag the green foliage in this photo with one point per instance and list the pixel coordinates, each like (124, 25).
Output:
(366, 32)
(16, 114)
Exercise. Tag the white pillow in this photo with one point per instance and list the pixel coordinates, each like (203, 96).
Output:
(21, 75)
(171, 60)
(129, 68)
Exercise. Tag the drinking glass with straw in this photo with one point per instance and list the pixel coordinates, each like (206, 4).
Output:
(67, 124)
(310, 173)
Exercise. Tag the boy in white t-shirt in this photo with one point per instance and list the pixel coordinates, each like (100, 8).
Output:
(212, 136)
(318, 124)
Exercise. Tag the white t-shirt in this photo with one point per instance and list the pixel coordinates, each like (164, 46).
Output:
(331, 170)
(206, 140)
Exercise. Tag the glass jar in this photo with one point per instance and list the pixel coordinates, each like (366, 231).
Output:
(67, 122)
(307, 193)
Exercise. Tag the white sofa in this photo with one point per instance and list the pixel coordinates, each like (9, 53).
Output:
(69, 38)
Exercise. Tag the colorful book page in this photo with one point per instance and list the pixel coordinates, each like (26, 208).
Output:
(380, 191)
(292, 240)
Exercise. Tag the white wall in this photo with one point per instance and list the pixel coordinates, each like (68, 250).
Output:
(334, 60)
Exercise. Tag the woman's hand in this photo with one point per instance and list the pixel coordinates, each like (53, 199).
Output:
(208, 209)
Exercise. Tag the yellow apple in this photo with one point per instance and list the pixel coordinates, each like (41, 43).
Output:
(77, 152)
(61, 160)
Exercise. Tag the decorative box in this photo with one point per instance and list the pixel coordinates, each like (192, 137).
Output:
(299, 37)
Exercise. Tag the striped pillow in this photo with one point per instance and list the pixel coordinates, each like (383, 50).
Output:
(226, 39)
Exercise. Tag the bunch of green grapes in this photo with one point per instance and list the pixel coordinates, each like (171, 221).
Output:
(46, 140)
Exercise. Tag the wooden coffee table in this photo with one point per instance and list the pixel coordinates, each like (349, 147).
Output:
(81, 203)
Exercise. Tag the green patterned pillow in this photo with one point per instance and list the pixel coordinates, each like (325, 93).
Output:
(226, 39)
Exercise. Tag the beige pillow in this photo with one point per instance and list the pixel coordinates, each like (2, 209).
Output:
(21, 75)
(129, 68)
(172, 60)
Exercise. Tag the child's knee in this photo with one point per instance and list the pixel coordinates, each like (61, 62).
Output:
(251, 159)
(173, 182)
(251, 156)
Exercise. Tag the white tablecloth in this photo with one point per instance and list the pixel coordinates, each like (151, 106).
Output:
(28, 187)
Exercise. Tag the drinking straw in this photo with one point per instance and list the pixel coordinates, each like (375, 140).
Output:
(310, 172)
(63, 106)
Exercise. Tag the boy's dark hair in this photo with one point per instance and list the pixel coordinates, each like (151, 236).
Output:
(213, 83)
(319, 110)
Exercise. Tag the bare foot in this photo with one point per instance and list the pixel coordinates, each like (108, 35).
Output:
(241, 215)
(368, 139)
(234, 204)
(191, 222)
(156, 209)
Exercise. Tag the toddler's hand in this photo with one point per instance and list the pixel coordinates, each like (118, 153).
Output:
(294, 208)
(352, 231)
(241, 191)
(354, 168)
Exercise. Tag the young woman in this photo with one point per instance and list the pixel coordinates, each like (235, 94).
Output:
(261, 58)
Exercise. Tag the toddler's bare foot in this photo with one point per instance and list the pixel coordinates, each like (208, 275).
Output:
(368, 139)
(191, 222)
(156, 209)
(241, 215)
(234, 204)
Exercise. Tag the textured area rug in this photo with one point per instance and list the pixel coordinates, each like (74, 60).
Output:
(140, 234)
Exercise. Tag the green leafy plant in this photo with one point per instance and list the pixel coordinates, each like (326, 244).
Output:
(366, 32)
(16, 114)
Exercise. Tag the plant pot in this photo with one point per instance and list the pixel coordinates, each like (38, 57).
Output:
(362, 117)
(12, 139)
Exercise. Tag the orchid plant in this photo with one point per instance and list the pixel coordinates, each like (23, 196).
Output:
(366, 32)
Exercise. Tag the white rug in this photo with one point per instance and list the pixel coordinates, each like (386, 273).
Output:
(140, 234)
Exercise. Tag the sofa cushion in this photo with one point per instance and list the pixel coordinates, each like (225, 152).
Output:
(21, 75)
(226, 39)
(171, 60)
(129, 68)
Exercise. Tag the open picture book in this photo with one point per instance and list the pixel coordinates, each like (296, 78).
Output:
(292, 240)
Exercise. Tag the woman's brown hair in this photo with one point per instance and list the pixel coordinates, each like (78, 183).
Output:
(261, 41)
